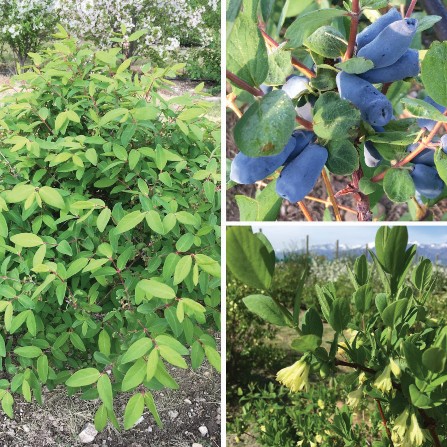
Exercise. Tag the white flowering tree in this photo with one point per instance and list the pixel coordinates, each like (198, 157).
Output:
(166, 23)
(25, 24)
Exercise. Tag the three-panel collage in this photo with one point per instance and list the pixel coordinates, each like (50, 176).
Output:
(223, 223)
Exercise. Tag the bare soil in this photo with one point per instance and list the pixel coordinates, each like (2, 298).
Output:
(59, 421)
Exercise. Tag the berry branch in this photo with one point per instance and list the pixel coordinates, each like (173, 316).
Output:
(384, 421)
(411, 8)
(424, 143)
(243, 85)
(305, 211)
(295, 62)
(330, 192)
(355, 16)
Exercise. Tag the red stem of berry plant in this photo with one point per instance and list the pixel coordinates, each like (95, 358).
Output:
(355, 16)
(384, 421)
(243, 85)
(295, 62)
(411, 8)
(413, 154)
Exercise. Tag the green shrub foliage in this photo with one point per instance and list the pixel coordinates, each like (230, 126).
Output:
(394, 349)
(109, 231)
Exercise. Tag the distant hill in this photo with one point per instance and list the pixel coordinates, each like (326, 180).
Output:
(434, 252)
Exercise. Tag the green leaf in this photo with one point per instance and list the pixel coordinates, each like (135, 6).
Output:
(422, 109)
(137, 34)
(265, 128)
(27, 240)
(340, 314)
(103, 219)
(306, 343)
(356, 65)
(101, 418)
(76, 266)
(394, 311)
(441, 164)
(335, 118)
(343, 157)
(7, 404)
(213, 357)
(248, 258)
(434, 72)
(134, 376)
(129, 221)
(150, 404)
(434, 359)
(157, 289)
(182, 269)
(280, 67)
(265, 207)
(152, 362)
(418, 399)
(246, 51)
(2, 346)
(185, 242)
(134, 410)
(137, 350)
(172, 357)
(29, 352)
(327, 41)
(154, 221)
(105, 390)
(83, 377)
(307, 23)
(398, 185)
(42, 368)
(266, 308)
(208, 265)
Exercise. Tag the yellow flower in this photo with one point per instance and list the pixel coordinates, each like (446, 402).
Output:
(318, 439)
(416, 434)
(320, 403)
(383, 382)
(295, 377)
(263, 428)
(362, 378)
(355, 397)
(395, 368)
(400, 426)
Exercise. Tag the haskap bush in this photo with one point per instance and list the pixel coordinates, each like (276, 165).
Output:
(385, 348)
(350, 89)
(109, 231)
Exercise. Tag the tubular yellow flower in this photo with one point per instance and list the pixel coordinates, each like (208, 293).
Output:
(355, 397)
(395, 368)
(362, 378)
(320, 403)
(416, 434)
(295, 377)
(383, 382)
(400, 426)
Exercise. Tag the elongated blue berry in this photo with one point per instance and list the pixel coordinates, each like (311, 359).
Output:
(372, 155)
(299, 176)
(426, 157)
(406, 67)
(391, 44)
(373, 30)
(295, 85)
(246, 170)
(373, 105)
(429, 124)
(427, 181)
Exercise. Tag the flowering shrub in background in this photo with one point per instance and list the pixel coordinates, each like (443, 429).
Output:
(156, 30)
(25, 24)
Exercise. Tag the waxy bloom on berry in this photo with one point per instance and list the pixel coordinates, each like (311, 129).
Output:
(295, 377)
(383, 382)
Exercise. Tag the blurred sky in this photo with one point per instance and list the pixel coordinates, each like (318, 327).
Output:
(293, 237)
